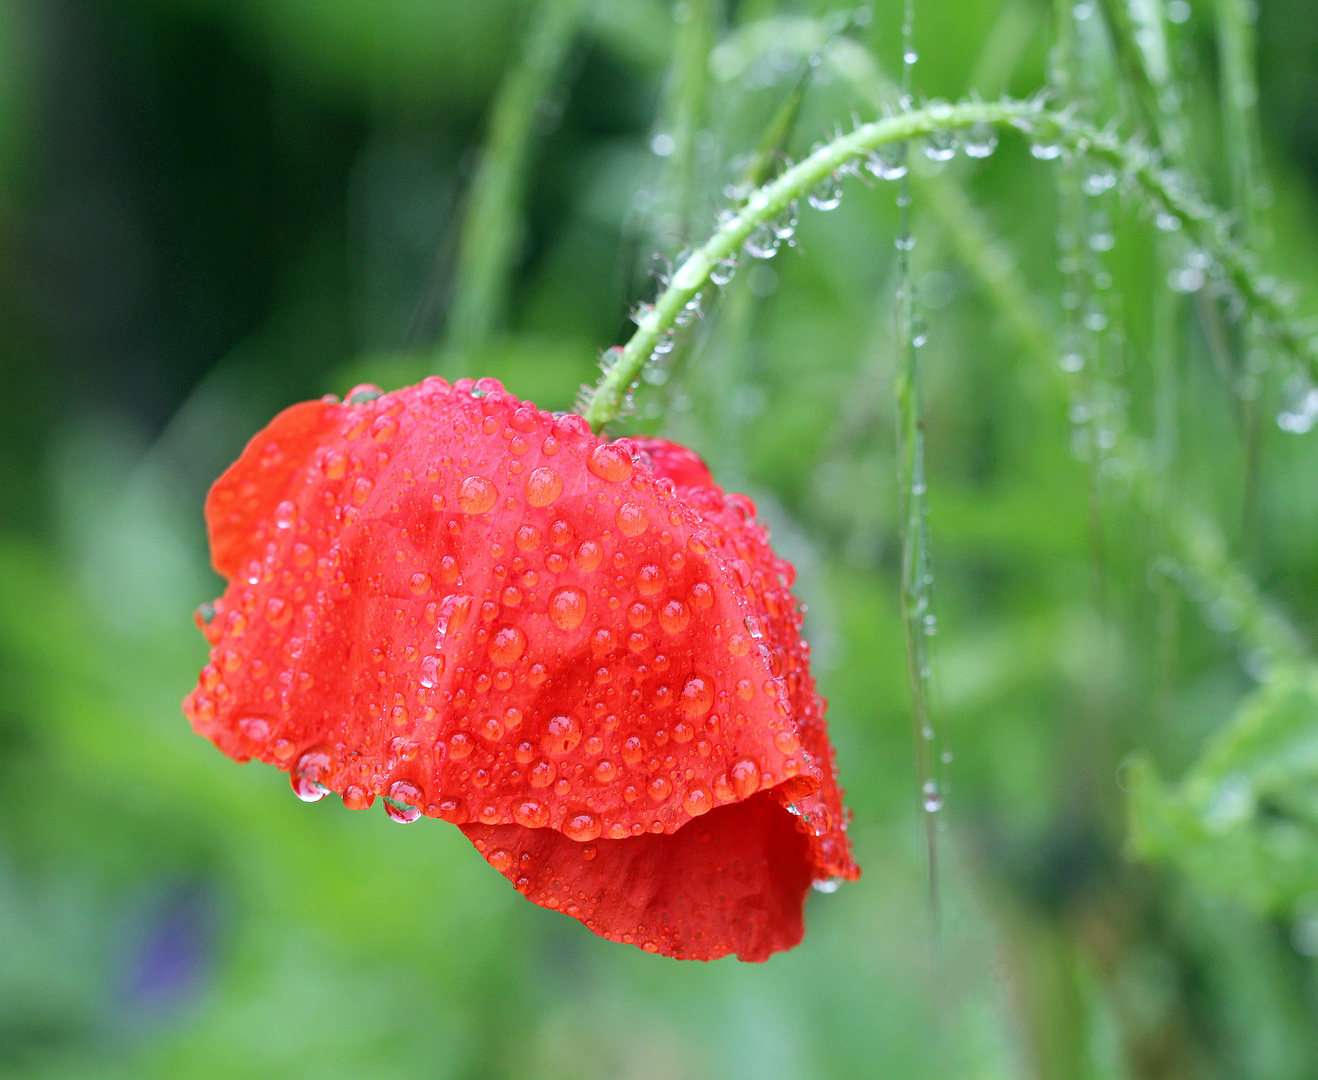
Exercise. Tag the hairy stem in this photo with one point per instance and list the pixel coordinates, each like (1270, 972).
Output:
(1165, 191)
(763, 206)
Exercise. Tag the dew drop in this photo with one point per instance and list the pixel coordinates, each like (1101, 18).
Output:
(981, 140)
(476, 495)
(632, 519)
(827, 194)
(531, 814)
(888, 163)
(659, 788)
(674, 616)
(419, 584)
(335, 465)
(256, 728)
(940, 146)
(402, 802)
(763, 242)
(507, 644)
(698, 800)
(543, 486)
(582, 827)
(697, 696)
(285, 515)
(356, 797)
(610, 463)
(312, 767)
(432, 667)
(745, 775)
(562, 735)
(567, 607)
(453, 612)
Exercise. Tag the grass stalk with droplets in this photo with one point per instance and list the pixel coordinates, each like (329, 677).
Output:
(487, 245)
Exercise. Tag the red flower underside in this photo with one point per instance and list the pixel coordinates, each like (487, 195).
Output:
(573, 649)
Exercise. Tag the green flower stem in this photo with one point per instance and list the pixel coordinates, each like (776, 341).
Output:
(487, 246)
(1164, 189)
(764, 205)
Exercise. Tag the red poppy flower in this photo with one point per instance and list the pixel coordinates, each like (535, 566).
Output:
(583, 653)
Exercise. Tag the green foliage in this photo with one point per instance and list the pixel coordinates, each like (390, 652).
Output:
(209, 210)
(1244, 820)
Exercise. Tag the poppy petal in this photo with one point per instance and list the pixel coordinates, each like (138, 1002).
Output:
(483, 613)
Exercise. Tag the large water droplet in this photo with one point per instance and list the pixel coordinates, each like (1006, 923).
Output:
(401, 804)
(762, 242)
(453, 612)
(567, 607)
(476, 495)
(610, 463)
(827, 194)
(543, 486)
(940, 146)
(432, 667)
(582, 827)
(697, 696)
(1299, 410)
(981, 140)
(507, 644)
(888, 162)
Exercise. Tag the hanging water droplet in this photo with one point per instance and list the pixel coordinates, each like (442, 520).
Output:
(910, 56)
(762, 242)
(641, 312)
(1186, 279)
(784, 226)
(933, 800)
(1071, 362)
(827, 194)
(888, 163)
(664, 345)
(1299, 410)
(1099, 180)
(722, 272)
(1102, 241)
(981, 140)
(1046, 149)
(1167, 222)
(826, 885)
(940, 146)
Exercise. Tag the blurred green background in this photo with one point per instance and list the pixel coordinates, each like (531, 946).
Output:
(210, 209)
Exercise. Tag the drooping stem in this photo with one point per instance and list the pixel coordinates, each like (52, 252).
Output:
(487, 246)
(763, 206)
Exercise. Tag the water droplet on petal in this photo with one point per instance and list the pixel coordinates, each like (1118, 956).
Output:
(543, 486)
(432, 667)
(531, 814)
(403, 802)
(507, 644)
(697, 696)
(698, 800)
(567, 607)
(582, 827)
(610, 463)
(476, 495)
